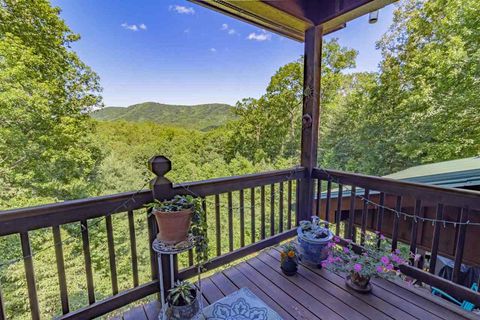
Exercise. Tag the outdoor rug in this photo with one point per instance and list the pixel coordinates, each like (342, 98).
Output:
(240, 305)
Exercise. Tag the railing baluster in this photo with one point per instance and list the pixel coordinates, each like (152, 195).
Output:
(111, 254)
(133, 247)
(280, 209)
(462, 232)
(30, 275)
(190, 257)
(252, 214)
(289, 200)
(2, 306)
(62, 279)
(327, 204)
(413, 235)
(380, 212)
(366, 196)
(297, 202)
(88, 261)
(319, 197)
(338, 217)
(436, 239)
(242, 218)
(272, 209)
(351, 215)
(218, 234)
(230, 222)
(398, 208)
(262, 212)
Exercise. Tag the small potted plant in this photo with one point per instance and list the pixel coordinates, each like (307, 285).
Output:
(313, 239)
(373, 261)
(182, 301)
(289, 264)
(178, 217)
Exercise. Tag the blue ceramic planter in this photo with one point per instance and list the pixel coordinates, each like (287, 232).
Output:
(313, 251)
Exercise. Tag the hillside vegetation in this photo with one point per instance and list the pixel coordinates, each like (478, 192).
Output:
(200, 117)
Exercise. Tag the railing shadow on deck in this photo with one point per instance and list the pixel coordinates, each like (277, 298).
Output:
(272, 202)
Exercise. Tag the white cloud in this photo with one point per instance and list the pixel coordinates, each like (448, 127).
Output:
(181, 9)
(213, 50)
(261, 36)
(133, 27)
(229, 30)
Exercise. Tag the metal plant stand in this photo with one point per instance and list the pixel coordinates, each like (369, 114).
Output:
(162, 248)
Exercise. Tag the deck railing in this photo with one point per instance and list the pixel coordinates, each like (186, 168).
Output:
(268, 198)
(246, 214)
(424, 217)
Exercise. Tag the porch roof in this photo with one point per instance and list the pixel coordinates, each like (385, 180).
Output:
(291, 18)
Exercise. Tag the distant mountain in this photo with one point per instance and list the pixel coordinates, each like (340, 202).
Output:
(201, 117)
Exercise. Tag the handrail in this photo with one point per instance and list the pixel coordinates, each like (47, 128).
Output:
(30, 218)
(452, 196)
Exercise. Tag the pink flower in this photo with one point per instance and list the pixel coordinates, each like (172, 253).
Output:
(389, 267)
(336, 239)
(397, 251)
(330, 245)
(330, 259)
(379, 269)
(346, 250)
(324, 264)
(385, 260)
(382, 237)
(357, 267)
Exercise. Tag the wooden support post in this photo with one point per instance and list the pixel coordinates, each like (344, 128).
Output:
(311, 117)
(162, 189)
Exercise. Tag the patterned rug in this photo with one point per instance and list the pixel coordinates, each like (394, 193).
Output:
(240, 305)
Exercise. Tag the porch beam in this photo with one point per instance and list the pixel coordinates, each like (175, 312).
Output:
(311, 116)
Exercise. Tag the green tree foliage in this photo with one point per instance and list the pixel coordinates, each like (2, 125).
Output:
(425, 103)
(45, 138)
(269, 127)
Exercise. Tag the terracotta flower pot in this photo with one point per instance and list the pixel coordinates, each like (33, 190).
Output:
(173, 226)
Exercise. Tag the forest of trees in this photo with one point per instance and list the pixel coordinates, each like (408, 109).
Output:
(422, 106)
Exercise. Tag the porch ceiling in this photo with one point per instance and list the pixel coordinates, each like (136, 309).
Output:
(291, 18)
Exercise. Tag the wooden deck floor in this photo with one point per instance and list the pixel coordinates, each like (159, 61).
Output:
(317, 294)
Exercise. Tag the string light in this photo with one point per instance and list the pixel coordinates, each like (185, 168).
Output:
(404, 214)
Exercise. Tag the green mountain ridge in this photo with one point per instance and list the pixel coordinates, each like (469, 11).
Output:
(200, 117)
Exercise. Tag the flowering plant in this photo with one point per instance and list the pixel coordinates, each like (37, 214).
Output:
(288, 252)
(374, 261)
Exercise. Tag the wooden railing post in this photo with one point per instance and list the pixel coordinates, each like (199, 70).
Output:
(310, 118)
(162, 189)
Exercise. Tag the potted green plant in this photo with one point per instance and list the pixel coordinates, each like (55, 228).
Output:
(178, 217)
(373, 261)
(182, 301)
(289, 263)
(313, 239)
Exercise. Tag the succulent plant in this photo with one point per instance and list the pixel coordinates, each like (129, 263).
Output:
(182, 294)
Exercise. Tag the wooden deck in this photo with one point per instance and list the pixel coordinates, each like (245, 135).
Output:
(317, 294)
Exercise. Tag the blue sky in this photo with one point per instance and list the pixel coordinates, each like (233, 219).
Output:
(177, 52)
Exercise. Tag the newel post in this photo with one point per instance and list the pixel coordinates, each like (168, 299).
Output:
(310, 118)
(162, 189)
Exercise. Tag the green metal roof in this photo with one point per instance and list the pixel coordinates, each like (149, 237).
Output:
(454, 173)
